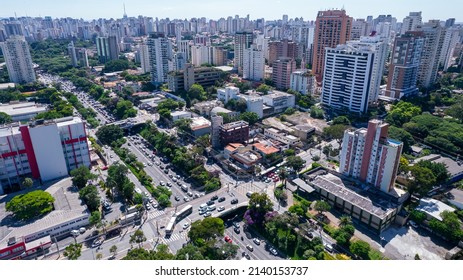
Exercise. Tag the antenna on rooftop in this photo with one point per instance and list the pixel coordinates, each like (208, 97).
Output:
(125, 14)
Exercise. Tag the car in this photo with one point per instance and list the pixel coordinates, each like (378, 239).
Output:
(104, 168)
(190, 194)
(174, 179)
(186, 198)
(228, 239)
(82, 230)
(246, 256)
(413, 224)
(166, 170)
(273, 251)
(202, 211)
(214, 197)
(221, 199)
(150, 164)
(276, 179)
(169, 184)
(75, 232)
(155, 205)
(248, 194)
(171, 176)
(207, 214)
(310, 234)
(249, 247)
(220, 209)
(162, 183)
(236, 225)
(97, 242)
(151, 200)
(186, 225)
(256, 241)
(211, 208)
(146, 193)
(328, 247)
(234, 201)
(237, 230)
(178, 177)
(196, 195)
(177, 198)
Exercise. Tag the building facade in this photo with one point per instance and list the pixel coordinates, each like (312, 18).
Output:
(411, 22)
(283, 48)
(434, 35)
(159, 50)
(303, 82)
(282, 69)
(254, 103)
(253, 64)
(228, 93)
(18, 60)
(107, 48)
(332, 28)
(44, 150)
(369, 155)
(234, 132)
(279, 100)
(144, 58)
(243, 41)
(184, 79)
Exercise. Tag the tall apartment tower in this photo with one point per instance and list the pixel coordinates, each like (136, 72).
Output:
(411, 22)
(184, 47)
(107, 48)
(144, 58)
(282, 69)
(253, 64)
(404, 65)
(434, 35)
(18, 60)
(72, 54)
(217, 122)
(451, 39)
(158, 49)
(219, 56)
(83, 58)
(283, 48)
(347, 78)
(243, 40)
(369, 155)
(201, 55)
(332, 28)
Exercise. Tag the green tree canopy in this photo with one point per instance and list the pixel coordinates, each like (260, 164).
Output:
(116, 65)
(5, 118)
(360, 248)
(30, 205)
(335, 131)
(73, 251)
(125, 109)
(196, 91)
(249, 117)
(95, 218)
(423, 180)
(90, 196)
(81, 175)
(138, 237)
(295, 162)
(401, 135)
(206, 229)
(264, 88)
(401, 113)
(27, 182)
(322, 206)
(109, 133)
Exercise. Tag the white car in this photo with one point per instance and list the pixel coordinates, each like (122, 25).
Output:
(186, 225)
(220, 209)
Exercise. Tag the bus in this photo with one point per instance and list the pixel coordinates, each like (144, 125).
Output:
(170, 226)
(187, 210)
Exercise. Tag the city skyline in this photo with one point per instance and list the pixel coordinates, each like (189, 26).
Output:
(180, 9)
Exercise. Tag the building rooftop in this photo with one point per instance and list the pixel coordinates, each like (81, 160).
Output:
(453, 167)
(199, 122)
(276, 93)
(218, 109)
(246, 157)
(179, 113)
(303, 185)
(433, 207)
(266, 148)
(22, 108)
(6, 85)
(233, 125)
(377, 206)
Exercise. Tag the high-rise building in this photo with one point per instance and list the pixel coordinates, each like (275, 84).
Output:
(359, 29)
(369, 155)
(44, 150)
(83, 58)
(201, 55)
(144, 58)
(13, 29)
(332, 28)
(434, 35)
(411, 22)
(107, 48)
(72, 54)
(18, 60)
(177, 62)
(158, 49)
(404, 65)
(184, 47)
(282, 69)
(451, 39)
(450, 22)
(219, 56)
(283, 48)
(347, 77)
(253, 64)
(243, 40)
(216, 123)
(303, 82)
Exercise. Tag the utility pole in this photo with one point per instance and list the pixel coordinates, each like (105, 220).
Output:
(57, 246)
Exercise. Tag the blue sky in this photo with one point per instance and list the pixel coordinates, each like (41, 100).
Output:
(269, 9)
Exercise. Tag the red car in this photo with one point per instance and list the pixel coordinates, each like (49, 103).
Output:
(228, 239)
(104, 168)
(275, 179)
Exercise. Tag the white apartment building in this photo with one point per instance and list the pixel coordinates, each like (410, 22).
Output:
(411, 22)
(243, 41)
(347, 77)
(254, 103)
(429, 64)
(18, 60)
(44, 150)
(279, 100)
(184, 47)
(201, 55)
(228, 93)
(451, 39)
(303, 82)
(253, 64)
(159, 49)
(144, 58)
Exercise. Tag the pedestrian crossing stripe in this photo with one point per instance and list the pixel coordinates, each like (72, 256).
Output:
(174, 237)
(155, 214)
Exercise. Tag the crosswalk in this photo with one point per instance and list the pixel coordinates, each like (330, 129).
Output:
(155, 213)
(174, 237)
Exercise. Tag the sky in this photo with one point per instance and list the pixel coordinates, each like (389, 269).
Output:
(215, 9)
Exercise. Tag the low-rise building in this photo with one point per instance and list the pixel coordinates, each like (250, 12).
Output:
(254, 103)
(228, 93)
(204, 108)
(433, 208)
(281, 136)
(235, 132)
(200, 126)
(178, 115)
(23, 111)
(279, 100)
(242, 156)
(184, 79)
(303, 82)
(454, 168)
(221, 110)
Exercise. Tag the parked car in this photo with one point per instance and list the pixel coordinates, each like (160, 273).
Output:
(257, 241)
(210, 202)
(207, 214)
(220, 209)
(228, 239)
(186, 225)
(273, 251)
(234, 201)
(249, 247)
(214, 197)
(221, 199)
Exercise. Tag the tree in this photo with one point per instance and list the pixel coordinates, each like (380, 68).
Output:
(73, 251)
(316, 112)
(322, 206)
(259, 205)
(341, 120)
(423, 180)
(401, 113)
(289, 152)
(138, 237)
(109, 133)
(345, 220)
(403, 164)
(90, 196)
(5, 118)
(401, 135)
(295, 162)
(99, 256)
(439, 170)
(263, 88)
(249, 117)
(31, 205)
(335, 132)
(95, 218)
(117, 178)
(360, 248)
(113, 250)
(124, 109)
(190, 252)
(116, 65)
(196, 91)
(81, 175)
(206, 229)
(27, 182)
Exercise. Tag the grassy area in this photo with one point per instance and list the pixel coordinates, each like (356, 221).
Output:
(376, 255)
